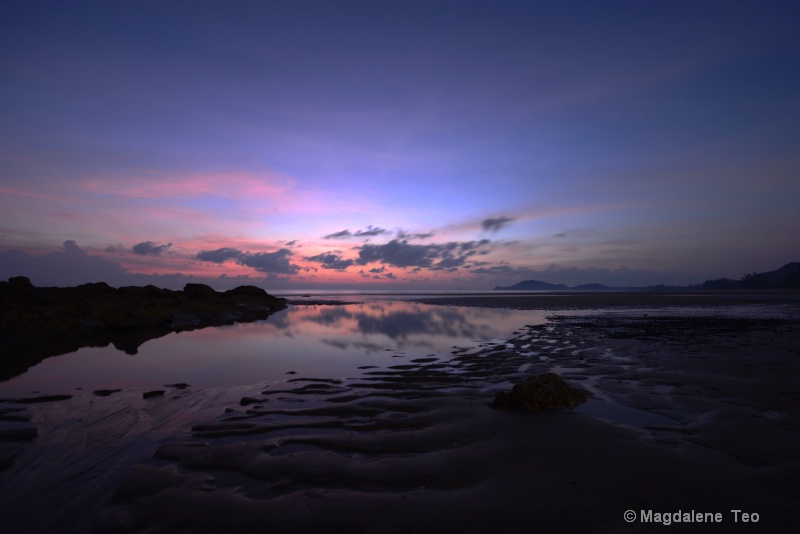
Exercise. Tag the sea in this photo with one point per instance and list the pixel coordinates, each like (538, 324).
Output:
(331, 334)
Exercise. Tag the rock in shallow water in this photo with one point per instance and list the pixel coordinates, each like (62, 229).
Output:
(38, 322)
(179, 385)
(105, 392)
(42, 398)
(536, 393)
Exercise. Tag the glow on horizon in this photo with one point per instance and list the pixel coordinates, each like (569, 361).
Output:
(294, 145)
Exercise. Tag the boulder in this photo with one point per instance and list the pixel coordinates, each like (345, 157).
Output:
(198, 291)
(536, 393)
(20, 283)
(246, 291)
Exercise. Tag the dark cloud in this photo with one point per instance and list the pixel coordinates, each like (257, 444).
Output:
(270, 262)
(344, 234)
(347, 234)
(500, 270)
(398, 254)
(405, 235)
(69, 267)
(149, 248)
(220, 255)
(370, 231)
(74, 266)
(448, 263)
(331, 261)
(494, 225)
(277, 262)
(401, 253)
(378, 273)
(469, 245)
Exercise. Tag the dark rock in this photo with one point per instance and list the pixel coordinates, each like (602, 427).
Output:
(153, 394)
(179, 385)
(38, 322)
(14, 418)
(250, 291)
(246, 401)
(27, 433)
(105, 392)
(97, 288)
(197, 291)
(547, 391)
(20, 283)
(43, 398)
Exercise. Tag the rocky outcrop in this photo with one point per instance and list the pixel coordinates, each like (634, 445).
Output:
(37, 322)
(536, 393)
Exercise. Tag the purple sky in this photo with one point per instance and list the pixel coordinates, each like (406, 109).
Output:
(399, 145)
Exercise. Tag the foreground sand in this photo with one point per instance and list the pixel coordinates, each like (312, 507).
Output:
(690, 413)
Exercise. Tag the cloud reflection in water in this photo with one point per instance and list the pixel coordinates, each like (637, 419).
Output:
(313, 340)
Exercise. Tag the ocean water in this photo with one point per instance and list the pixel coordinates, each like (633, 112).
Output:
(315, 340)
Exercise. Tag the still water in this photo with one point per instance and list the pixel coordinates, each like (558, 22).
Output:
(322, 341)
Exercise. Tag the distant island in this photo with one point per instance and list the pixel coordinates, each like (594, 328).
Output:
(787, 277)
(537, 285)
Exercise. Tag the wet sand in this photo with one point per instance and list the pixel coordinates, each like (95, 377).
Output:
(693, 410)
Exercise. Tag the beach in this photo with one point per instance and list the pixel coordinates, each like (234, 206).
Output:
(693, 421)
(399, 267)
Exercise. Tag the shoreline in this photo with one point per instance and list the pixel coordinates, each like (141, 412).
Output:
(40, 322)
(414, 447)
(614, 299)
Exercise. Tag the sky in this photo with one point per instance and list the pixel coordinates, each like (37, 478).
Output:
(431, 145)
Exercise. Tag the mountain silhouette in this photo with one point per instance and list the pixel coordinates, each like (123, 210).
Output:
(787, 277)
(537, 285)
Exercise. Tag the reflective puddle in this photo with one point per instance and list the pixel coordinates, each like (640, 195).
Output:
(326, 341)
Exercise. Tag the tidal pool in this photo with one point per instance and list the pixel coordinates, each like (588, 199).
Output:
(326, 341)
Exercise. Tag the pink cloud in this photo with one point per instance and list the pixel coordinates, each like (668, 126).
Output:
(31, 194)
(235, 185)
